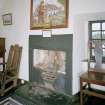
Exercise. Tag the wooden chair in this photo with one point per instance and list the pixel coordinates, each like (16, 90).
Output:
(2, 51)
(9, 77)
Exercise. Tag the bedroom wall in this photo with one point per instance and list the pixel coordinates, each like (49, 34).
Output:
(80, 11)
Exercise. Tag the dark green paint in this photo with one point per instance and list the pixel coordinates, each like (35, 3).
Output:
(56, 42)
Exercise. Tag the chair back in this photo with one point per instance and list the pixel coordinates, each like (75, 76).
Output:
(14, 57)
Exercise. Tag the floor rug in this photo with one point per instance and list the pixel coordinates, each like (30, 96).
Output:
(10, 101)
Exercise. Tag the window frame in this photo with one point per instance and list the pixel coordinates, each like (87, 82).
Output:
(92, 58)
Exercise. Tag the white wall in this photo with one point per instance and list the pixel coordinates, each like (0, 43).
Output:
(80, 11)
(87, 6)
(80, 43)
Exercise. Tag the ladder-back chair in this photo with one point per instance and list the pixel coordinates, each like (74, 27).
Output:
(9, 76)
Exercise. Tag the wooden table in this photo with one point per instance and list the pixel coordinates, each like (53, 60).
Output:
(89, 78)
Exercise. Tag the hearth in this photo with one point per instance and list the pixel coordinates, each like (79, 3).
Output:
(50, 62)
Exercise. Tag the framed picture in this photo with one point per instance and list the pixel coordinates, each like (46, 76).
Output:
(49, 14)
(7, 19)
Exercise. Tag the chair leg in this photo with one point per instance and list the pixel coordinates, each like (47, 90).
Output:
(2, 94)
(81, 92)
(15, 83)
(3, 89)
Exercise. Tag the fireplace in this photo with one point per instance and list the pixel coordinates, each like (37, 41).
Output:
(50, 62)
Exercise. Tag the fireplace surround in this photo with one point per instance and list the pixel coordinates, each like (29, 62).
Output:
(59, 45)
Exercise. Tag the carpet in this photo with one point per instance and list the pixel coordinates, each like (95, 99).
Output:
(40, 95)
(10, 101)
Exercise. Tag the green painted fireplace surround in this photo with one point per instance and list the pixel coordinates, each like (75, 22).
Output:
(56, 42)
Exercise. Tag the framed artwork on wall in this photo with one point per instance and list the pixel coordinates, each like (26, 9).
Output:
(7, 19)
(45, 14)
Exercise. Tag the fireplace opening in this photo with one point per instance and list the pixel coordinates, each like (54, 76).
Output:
(50, 62)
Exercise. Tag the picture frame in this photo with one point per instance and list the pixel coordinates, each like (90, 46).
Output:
(7, 19)
(46, 14)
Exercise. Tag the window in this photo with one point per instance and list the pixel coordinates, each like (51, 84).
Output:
(97, 33)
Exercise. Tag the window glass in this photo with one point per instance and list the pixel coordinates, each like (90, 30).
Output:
(103, 26)
(96, 26)
(103, 34)
(103, 44)
(104, 52)
(93, 44)
(93, 52)
(96, 35)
